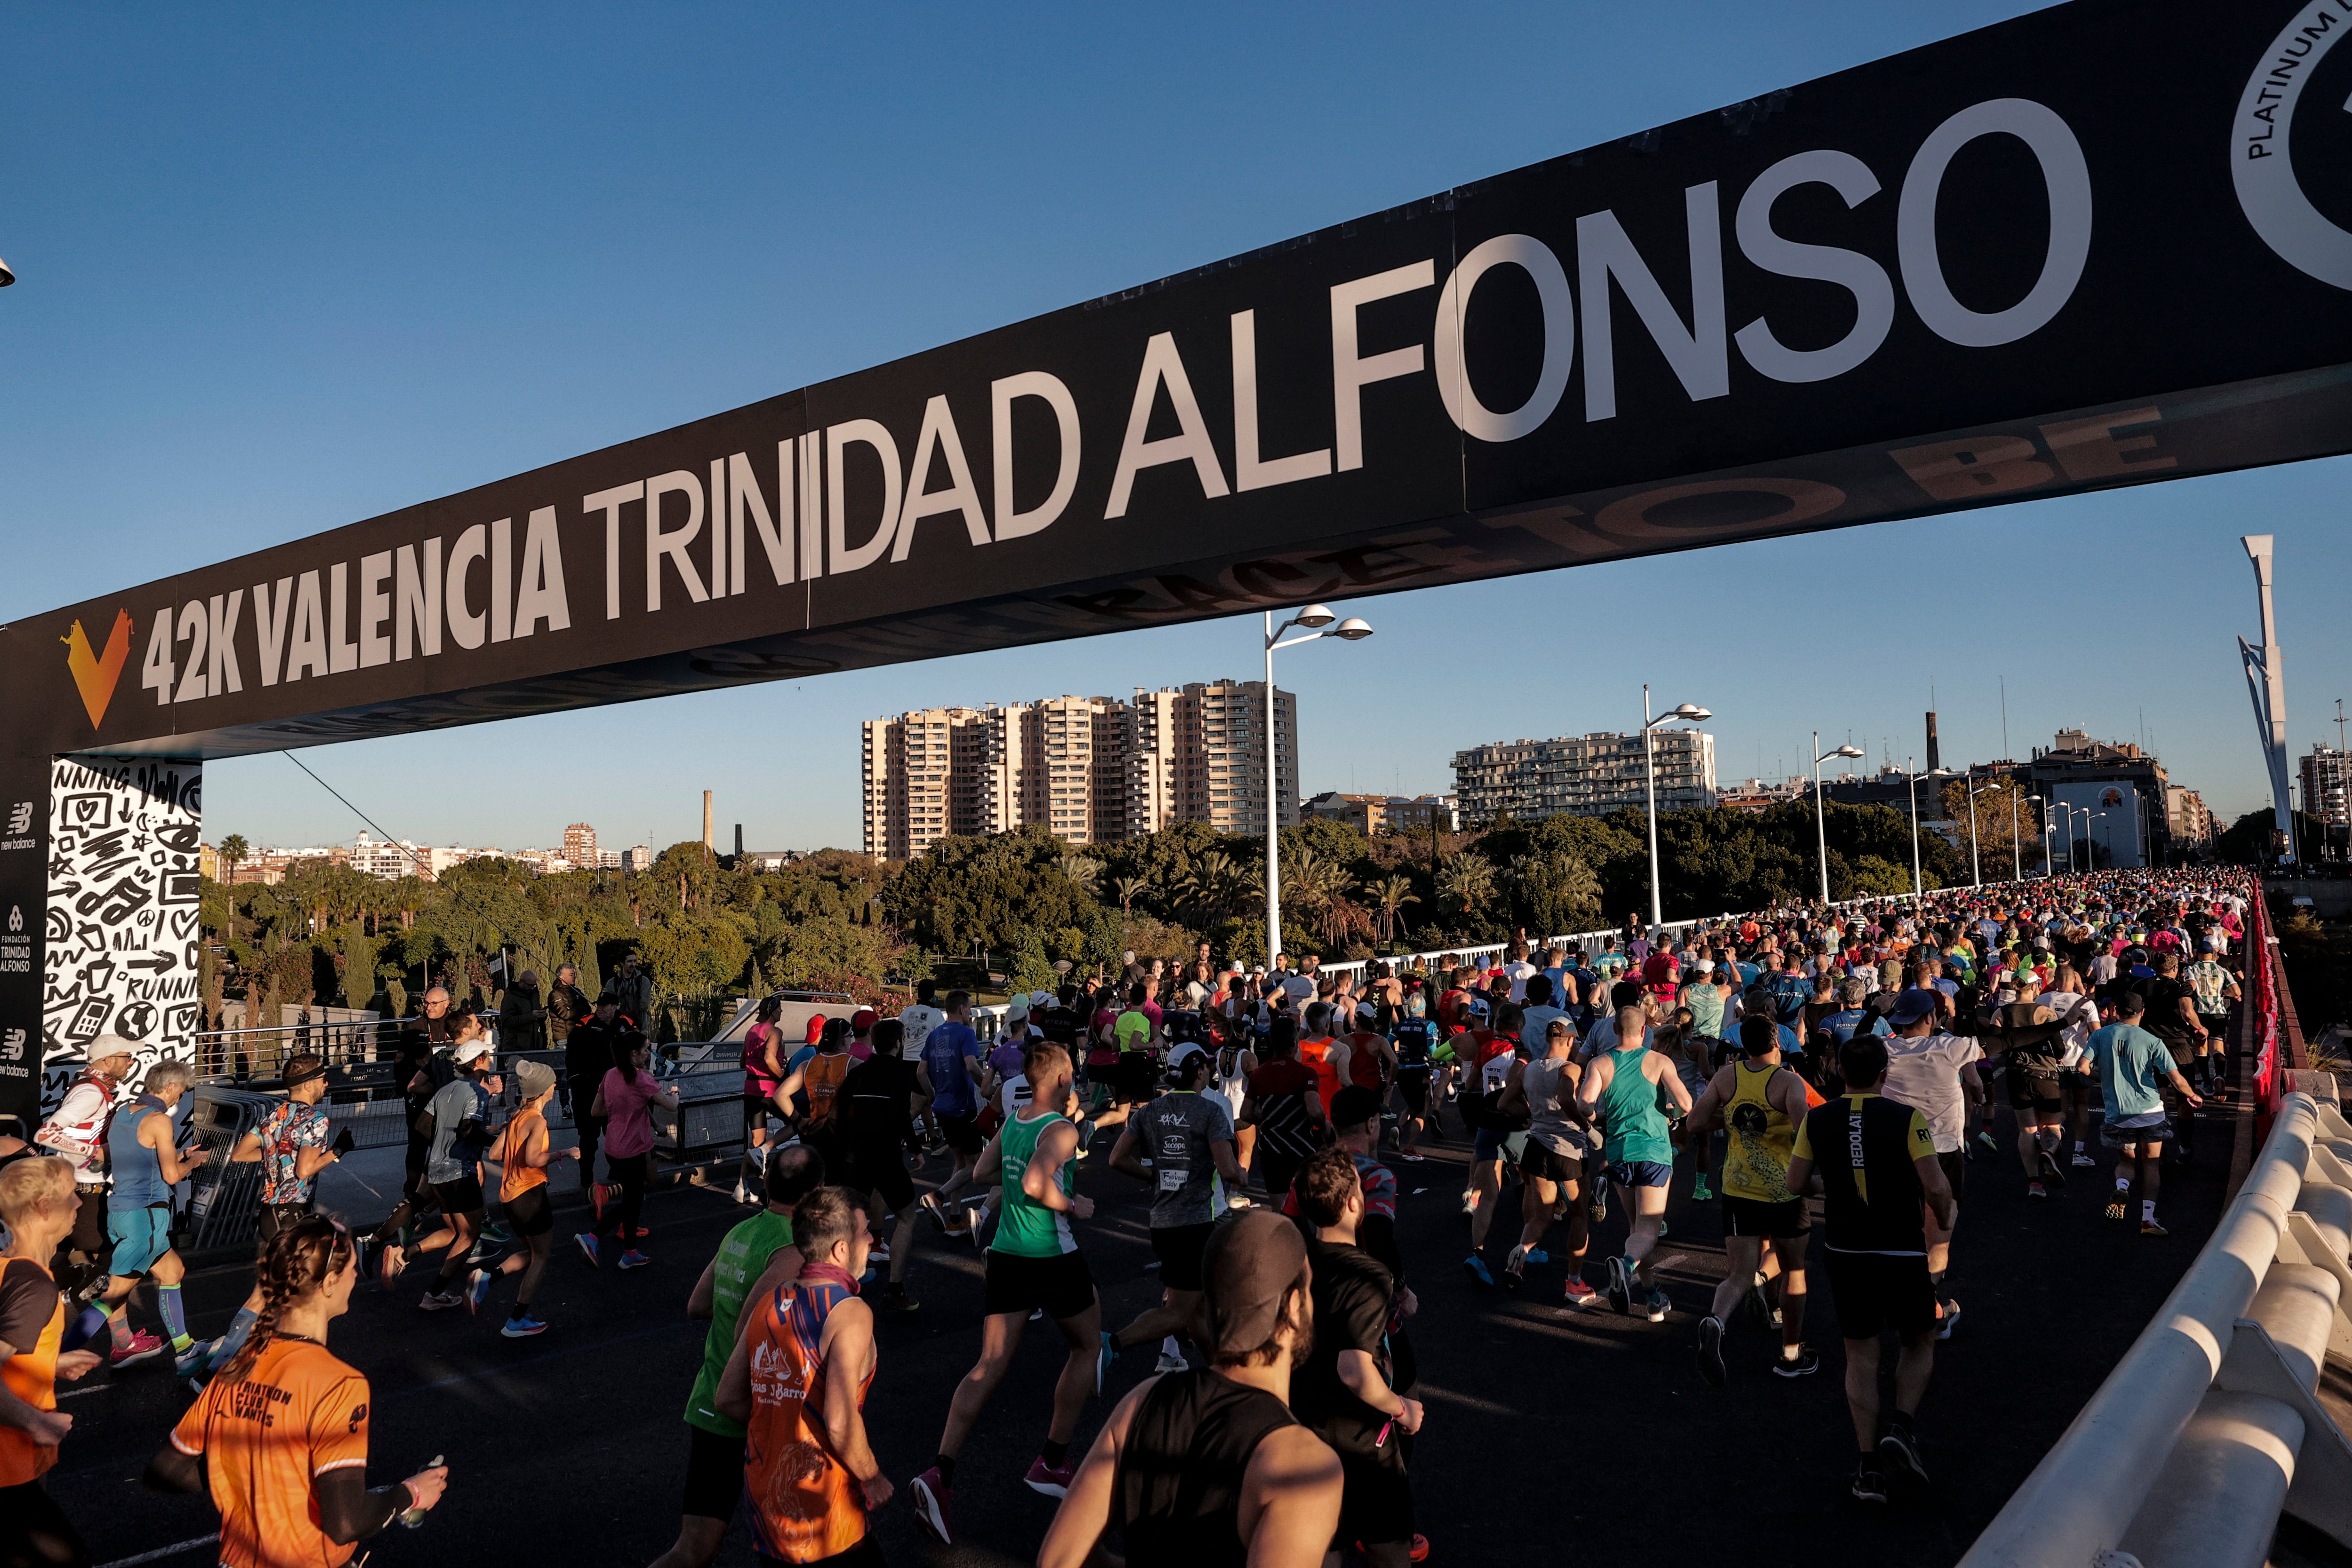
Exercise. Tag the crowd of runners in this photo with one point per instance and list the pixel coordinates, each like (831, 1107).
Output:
(1839, 1069)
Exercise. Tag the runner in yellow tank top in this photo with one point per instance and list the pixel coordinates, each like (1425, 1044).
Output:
(1760, 1105)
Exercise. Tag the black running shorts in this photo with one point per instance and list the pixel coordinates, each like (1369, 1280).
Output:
(528, 1213)
(1549, 1164)
(1753, 1217)
(1413, 1082)
(963, 1133)
(463, 1196)
(2036, 1092)
(1872, 1292)
(1954, 1165)
(1062, 1287)
(1181, 1248)
(714, 1475)
(882, 1171)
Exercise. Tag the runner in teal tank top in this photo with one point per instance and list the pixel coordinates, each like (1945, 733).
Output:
(1034, 1265)
(1623, 1088)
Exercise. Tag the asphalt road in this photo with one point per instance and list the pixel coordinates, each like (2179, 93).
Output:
(1552, 1435)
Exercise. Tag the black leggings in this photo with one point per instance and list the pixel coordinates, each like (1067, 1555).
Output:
(592, 1128)
(629, 1173)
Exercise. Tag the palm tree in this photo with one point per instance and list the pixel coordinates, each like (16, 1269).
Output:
(1083, 870)
(1390, 896)
(1312, 882)
(1466, 878)
(1129, 889)
(233, 852)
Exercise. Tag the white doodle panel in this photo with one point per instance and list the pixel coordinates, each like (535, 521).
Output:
(125, 895)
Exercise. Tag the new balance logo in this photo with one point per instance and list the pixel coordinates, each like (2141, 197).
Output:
(20, 818)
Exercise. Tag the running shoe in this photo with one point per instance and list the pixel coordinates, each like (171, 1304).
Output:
(1051, 1480)
(441, 1302)
(1172, 1361)
(1987, 1143)
(587, 1246)
(1597, 1209)
(1657, 1305)
(1760, 1305)
(633, 1258)
(1620, 1284)
(1538, 1255)
(1902, 1449)
(143, 1346)
(932, 1498)
(1480, 1275)
(1710, 1351)
(1419, 1550)
(1105, 1357)
(1950, 1320)
(484, 1252)
(597, 1197)
(478, 1288)
(1869, 1483)
(389, 1266)
(2150, 1227)
(522, 1327)
(1514, 1269)
(1806, 1364)
(2120, 1209)
(894, 1299)
(1579, 1295)
(2052, 1173)
(2035, 1190)
(1469, 1203)
(2083, 1160)
(933, 1212)
(1700, 1191)
(879, 1254)
(496, 1232)
(1411, 1156)
(192, 1361)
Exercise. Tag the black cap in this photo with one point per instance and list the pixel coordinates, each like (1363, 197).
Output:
(1353, 1106)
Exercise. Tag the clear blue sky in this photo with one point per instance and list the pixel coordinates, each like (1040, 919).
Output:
(282, 269)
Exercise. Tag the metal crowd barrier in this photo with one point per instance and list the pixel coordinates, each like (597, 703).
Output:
(2209, 1428)
(222, 1206)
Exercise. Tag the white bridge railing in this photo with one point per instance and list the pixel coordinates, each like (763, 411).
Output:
(2210, 1428)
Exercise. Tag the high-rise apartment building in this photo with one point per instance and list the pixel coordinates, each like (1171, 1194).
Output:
(579, 845)
(1583, 775)
(2327, 785)
(1088, 770)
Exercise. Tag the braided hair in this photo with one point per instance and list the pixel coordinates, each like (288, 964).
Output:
(296, 1263)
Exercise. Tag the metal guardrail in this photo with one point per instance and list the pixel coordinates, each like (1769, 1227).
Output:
(2210, 1426)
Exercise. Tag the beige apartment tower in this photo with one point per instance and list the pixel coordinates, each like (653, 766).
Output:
(1088, 770)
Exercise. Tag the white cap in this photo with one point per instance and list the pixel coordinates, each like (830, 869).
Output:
(1041, 999)
(1703, 967)
(473, 1051)
(107, 1045)
(1185, 1052)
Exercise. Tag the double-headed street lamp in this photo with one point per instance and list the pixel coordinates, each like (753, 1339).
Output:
(1692, 712)
(1821, 829)
(1976, 868)
(1317, 620)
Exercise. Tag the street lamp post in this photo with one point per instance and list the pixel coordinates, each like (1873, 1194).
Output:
(1821, 829)
(1918, 886)
(2016, 851)
(1976, 869)
(1695, 715)
(1316, 618)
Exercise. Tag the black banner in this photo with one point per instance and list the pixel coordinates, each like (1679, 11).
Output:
(2101, 245)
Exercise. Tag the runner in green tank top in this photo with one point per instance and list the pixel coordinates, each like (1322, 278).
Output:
(1622, 1088)
(1034, 1265)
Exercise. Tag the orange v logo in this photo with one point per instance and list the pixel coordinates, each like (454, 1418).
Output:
(95, 676)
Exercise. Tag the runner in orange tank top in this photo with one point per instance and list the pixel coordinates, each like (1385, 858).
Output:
(37, 1203)
(798, 1381)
